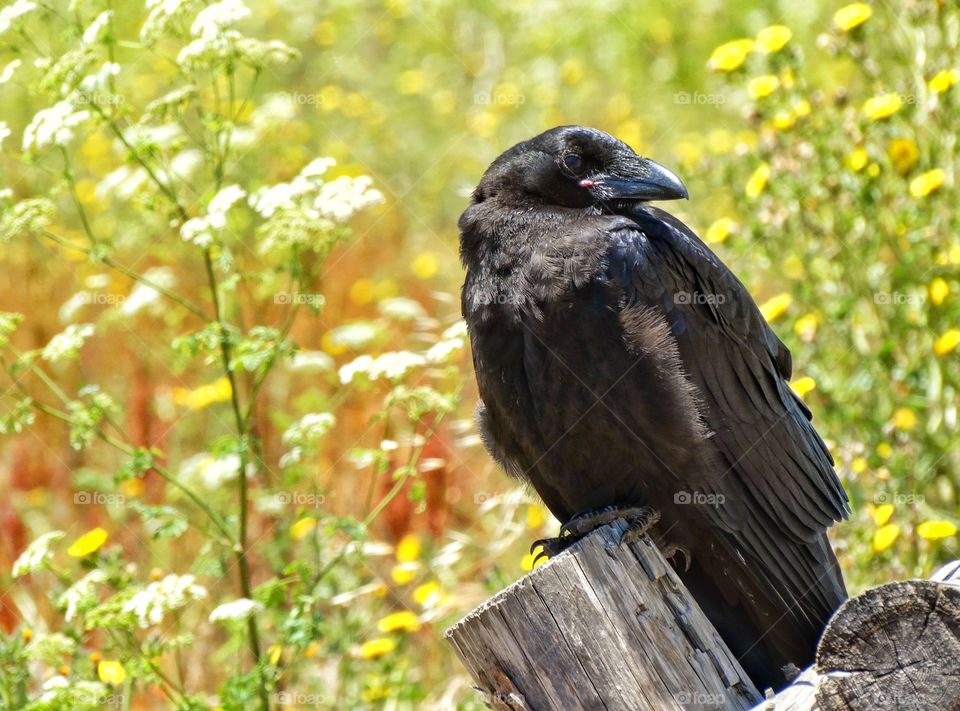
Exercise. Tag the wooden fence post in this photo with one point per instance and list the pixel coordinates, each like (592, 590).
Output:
(601, 626)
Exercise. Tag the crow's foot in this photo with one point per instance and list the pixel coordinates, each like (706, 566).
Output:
(639, 518)
(670, 551)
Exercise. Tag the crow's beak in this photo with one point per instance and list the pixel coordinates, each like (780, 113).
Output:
(644, 180)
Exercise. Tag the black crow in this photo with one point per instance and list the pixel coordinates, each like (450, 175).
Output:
(624, 369)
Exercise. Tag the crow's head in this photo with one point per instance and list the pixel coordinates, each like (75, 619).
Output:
(575, 166)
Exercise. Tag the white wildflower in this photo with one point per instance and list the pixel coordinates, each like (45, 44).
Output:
(457, 330)
(213, 19)
(267, 200)
(163, 14)
(82, 594)
(198, 231)
(143, 294)
(211, 472)
(401, 308)
(353, 335)
(74, 694)
(317, 167)
(124, 182)
(68, 343)
(225, 199)
(99, 81)
(4, 132)
(7, 73)
(36, 554)
(172, 593)
(308, 429)
(393, 365)
(95, 31)
(11, 13)
(97, 281)
(311, 360)
(342, 198)
(239, 609)
(72, 305)
(185, 163)
(53, 126)
(440, 352)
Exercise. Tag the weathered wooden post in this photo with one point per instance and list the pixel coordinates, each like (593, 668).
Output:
(601, 626)
(894, 647)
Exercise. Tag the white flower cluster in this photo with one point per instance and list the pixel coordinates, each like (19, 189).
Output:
(163, 15)
(68, 343)
(53, 126)
(341, 199)
(143, 295)
(82, 593)
(266, 201)
(172, 593)
(235, 610)
(36, 554)
(396, 364)
(7, 73)
(99, 81)
(304, 434)
(214, 19)
(201, 231)
(95, 31)
(11, 13)
(60, 692)
(211, 472)
(4, 132)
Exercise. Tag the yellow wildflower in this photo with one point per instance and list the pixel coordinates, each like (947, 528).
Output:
(935, 530)
(806, 327)
(858, 465)
(274, 652)
(801, 386)
(132, 488)
(775, 307)
(762, 86)
(882, 514)
(939, 291)
(873, 170)
(408, 549)
(947, 342)
(850, 16)
(884, 450)
(403, 621)
(904, 419)
(730, 56)
(527, 562)
(884, 537)
(926, 183)
(858, 159)
(535, 517)
(404, 573)
(903, 153)
(942, 81)
(802, 108)
(111, 672)
(412, 81)
(425, 265)
(773, 39)
(757, 181)
(882, 106)
(784, 120)
(325, 33)
(362, 291)
(88, 543)
(427, 594)
(377, 647)
(302, 528)
(719, 230)
(27, 634)
(204, 396)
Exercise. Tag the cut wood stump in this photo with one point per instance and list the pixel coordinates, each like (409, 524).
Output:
(895, 647)
(601, 626)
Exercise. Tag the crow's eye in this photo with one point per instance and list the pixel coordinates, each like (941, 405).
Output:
(573, 162)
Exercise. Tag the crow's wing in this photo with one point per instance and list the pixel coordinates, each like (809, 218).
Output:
(781, 492)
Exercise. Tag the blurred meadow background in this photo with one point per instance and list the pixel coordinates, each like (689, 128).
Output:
(237, 458)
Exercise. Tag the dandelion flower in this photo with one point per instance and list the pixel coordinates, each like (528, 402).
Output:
(731, 55)
(806, 327)
(762, 86)
(884, 450)
(904, 419)
(720, 230)
(427, 594)
(885, 536)
(775, 307)
(943, 80)
(804, 385)
(111, 672)
(535, 517)
(302, 528)
(947, 342)
(772, 39)
(757, 181)
(939, 290)
(935, 530)
(405, 573)
(851, 16)
(377, 647)
(425, 265)
(926, 183)
(882, 514)
(857, 160)
(903, 153)
(88, 543)
(404, 621)
(408, 549)
(882, 106)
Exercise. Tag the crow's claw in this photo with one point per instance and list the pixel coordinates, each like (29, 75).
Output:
(583, 523)
(672, 550)
(550, 547)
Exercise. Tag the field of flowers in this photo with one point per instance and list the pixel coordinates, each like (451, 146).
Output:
(237, 459)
